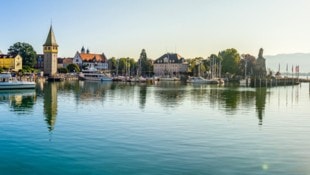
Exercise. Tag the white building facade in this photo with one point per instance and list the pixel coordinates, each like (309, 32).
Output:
(170, 64)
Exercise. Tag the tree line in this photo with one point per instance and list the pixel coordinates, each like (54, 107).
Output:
(226, 62)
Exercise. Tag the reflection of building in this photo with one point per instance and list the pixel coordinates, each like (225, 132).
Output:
(50, 104)
(12, 62)
(87, 59)
(50, 49)
(21, 101)
(170, 64)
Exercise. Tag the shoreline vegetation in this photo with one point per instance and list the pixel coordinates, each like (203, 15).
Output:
(227, 65)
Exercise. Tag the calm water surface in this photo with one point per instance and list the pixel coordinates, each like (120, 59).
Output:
(165, 128)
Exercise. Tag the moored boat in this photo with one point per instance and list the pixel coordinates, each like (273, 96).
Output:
(94, 76)
(7, 81)
(202, 80)
(169, 78)
(138, 79)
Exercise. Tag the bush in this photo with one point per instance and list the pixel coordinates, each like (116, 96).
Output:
(62, 70)
(73, 68)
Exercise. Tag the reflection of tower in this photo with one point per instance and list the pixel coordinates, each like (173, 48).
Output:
(50, 49)
(260, 103)
(50, 104)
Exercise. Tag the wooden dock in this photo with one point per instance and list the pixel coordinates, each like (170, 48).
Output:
(55, 78)
(271, 82)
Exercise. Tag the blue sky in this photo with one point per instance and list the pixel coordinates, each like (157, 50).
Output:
(192, 28)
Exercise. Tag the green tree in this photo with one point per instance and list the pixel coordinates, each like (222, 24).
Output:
(145, 66)
(133, 66)
(197, 66)
(112, 64)
(247, 64)
(150, 68)
(123, 66)
(26, 51)
(73, 68)
(62, 70)
(214, 65)
(231, 61)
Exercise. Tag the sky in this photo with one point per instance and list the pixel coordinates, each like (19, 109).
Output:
(192, 28)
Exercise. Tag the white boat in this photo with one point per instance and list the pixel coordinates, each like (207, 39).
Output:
(94, 76)
(9, 82)
(168, 78)
(245, 82)
(138, 79)
(202, 80)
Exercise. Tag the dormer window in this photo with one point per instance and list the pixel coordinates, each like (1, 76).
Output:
(166, 60)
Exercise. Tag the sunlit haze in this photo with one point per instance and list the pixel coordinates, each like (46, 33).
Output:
(192, 28)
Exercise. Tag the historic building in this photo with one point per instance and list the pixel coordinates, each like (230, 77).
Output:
(90, 60)
(50, 50)
(170, 64)
(40, 62)
(260, 65)
(66, 62)
(11, 62)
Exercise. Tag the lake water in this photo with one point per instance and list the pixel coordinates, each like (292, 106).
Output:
(164, 128)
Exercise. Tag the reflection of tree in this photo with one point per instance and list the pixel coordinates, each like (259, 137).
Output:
(88, 90)
(170, 94)
(260, 103)
(50, 104)
(199, 93)
(231, 98)
(142, 99)
(21, 101)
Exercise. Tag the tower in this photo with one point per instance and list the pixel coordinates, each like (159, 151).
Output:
(83, 50)
(50, 50)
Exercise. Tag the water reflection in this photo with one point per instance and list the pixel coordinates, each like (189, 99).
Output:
(260, 103)
(20, 101)
(93, 90)
(50, 104)
(168, 95)
(142, 95)
(232, 99)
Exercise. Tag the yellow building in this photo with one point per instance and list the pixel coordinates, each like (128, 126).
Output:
(11, 62)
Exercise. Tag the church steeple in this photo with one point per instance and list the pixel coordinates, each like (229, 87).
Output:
(50, 40)
(83, 50)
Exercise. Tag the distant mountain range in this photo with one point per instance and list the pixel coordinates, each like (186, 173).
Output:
(301, 59)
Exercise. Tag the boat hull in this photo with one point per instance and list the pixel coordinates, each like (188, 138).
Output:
(94, 77)
(200, 80)
(17, 86)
